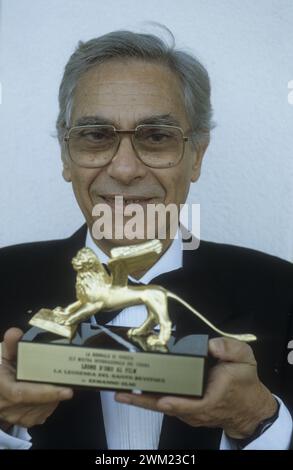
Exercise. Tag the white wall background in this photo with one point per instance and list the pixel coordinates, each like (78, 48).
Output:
(246, 188)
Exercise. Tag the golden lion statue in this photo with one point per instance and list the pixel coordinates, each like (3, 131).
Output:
(97, 290)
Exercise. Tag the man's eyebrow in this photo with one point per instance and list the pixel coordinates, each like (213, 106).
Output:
(92, 121)
(161, 119)
(156, 119)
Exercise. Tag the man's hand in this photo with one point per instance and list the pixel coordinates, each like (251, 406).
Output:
(24, 403)
(235, 399)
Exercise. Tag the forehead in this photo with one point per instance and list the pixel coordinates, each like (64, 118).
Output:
(124, 93)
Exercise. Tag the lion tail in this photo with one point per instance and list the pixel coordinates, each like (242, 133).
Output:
(240, 337)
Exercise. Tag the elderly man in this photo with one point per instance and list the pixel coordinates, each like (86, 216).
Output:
(134, 121)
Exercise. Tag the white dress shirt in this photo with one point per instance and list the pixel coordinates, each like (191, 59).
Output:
(129, 427)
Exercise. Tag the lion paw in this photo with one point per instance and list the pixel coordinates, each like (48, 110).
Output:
(133, 332)
(154, 340)
(59, 315)
(154, 343)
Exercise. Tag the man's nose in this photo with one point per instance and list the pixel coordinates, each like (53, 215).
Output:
(125, 165)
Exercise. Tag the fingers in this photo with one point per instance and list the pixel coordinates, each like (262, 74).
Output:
(9, 345)
(27, 416)
(24, 403)
(149, 402)
(224, 349)
(39, 415)
(231, 350)
(28, 404)
(31, 393)
(169, 405)
(16, 392)
(231, 379)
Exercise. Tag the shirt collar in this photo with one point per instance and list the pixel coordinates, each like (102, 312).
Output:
(171, 260)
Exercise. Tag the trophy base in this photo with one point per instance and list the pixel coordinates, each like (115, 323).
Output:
(106, 358)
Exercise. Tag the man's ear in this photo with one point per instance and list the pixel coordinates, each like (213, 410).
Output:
(66, 172)
(198, 155)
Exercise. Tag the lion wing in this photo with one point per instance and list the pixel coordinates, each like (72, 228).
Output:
(129, 259)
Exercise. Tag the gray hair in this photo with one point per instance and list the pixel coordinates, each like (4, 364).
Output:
(150, 48)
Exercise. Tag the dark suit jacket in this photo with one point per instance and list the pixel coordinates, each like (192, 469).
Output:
(240, 290)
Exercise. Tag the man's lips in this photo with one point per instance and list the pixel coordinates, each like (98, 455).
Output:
(131, 199)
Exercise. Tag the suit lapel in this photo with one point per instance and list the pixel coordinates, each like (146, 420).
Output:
(194, 284)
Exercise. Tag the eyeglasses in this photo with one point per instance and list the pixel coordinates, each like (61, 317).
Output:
(94, 146)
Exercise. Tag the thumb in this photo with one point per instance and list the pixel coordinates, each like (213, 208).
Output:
(231, 350)
(9, 345)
